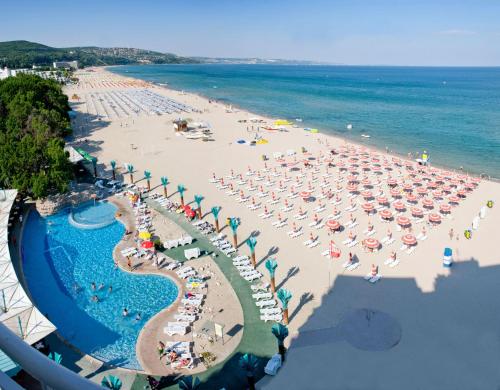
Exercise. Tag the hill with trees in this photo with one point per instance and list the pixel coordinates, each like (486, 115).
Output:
(24, 54)
(33, 121)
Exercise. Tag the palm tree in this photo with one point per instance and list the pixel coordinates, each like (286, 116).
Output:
(94, 165)
(215, 212)
(147, 176)
(181, 189)
(189, 383)
(113, 166)
(280, 331)
(198, 199)
(271, 265)
(164, 183)
(57, 357)
(234, 223)
(284, 296)
(248, 363)
(252, 243)
(111, 382)
(130, 170)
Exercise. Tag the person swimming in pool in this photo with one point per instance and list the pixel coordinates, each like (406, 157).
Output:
(95, 298)
(125, 312)
(138, 317)
(92, 286)
(101, 286)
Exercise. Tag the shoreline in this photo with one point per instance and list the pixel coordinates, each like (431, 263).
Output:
(269, 117)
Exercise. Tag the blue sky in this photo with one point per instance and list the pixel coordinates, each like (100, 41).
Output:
(398, 32)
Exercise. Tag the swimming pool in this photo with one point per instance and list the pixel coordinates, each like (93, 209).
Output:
(61, 261)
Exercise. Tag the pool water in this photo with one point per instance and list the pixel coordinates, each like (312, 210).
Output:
(100, 215)
(60, 262)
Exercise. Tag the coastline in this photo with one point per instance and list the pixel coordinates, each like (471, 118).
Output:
(270, 118)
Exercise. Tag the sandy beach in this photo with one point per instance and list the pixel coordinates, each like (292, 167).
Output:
(431, 341)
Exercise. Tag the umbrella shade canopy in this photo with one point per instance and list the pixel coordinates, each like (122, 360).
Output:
(147, 244)
(453, 199)
(372, 243)
(382, 200)
(407, 187)
(352, 187)
(399, 205)
(409, 239)
(422, 190)
(403, 221)
(417, 211)
(332, 224)
(304, 194)
(392, 182)
(427, 203)
(367, 206)
(366, 194)
(445, 208)
(395, 192)
(144, 235)
(436, 218)
(386, 214)
(411, 198)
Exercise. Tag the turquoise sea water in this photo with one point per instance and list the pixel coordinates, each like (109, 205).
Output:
(60, 262)
(453, 113)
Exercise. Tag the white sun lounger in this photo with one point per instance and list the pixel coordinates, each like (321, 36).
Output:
(185, 317)
(372, 279)
(173, 330)
(270, 310)
(411, 250)
(184, 269)
(262, 295)
(244, 268)
(171, 266)
(394, 263)
(383, 240)
(187, 274)
(253, 277)
(240, 258)
(271, 317)
(352, 243)
(390, 241)
(191, 302)
(269, 302)
(313, 244)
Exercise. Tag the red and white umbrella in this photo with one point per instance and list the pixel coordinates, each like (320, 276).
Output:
(434, 218)
(304, 194)
(352, 187)
(445, 208)
(368, 207)
(366, 182)
(403, 221)
(386, 214)
(366, 194)
(417, 212)
(382, 200)
(407, 187)
(462, 192)
(334, 250)
(398, 205)
(453, 199)
(426, 202)
(392, 182)
(421, 190)
(409, 239)
(332, 224)
(395, 192)
(411, 198)
(372, 243)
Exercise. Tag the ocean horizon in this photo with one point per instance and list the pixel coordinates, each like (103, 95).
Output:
(451, 112)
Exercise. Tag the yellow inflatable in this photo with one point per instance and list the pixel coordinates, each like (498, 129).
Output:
(468, 234)
(489, 204)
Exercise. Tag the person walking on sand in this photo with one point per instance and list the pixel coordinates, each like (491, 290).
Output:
(129, 263)
(161, 349)
(451, 234)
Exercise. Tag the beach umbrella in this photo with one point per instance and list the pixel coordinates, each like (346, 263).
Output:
(428, 203)
(368, 207)
(411, 198)
(352, 178)
(409, 239)
(332, 224)
(147, 176)
(407, 187)
(402, 220)
(445, 208)
(386, 214)
(252, 243)
(382, 200)
(461, 193)
(436, 194)
(351, 187)
(305, 194)
(147, 244)
(280, 331)
(113, 167)
(215, 211)
(434, 218)
(399, 205)
(271, 265)
(144, 235)
(453, 199)
(395, 192)
(366, 194)
(421, 190)
(164, 183)
(366, 182)
(333, 250)
(417, 212)
(284, 296)
(446, 188)
(371, 243)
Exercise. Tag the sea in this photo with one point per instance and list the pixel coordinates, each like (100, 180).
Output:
(453, 113)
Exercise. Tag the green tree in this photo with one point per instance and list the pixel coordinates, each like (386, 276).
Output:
(271, 265)
(280, 331)
(249, 363)
(164, 183)
(284, 296)
(215, 211)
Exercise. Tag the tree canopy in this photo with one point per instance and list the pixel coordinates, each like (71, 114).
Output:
(33, 121)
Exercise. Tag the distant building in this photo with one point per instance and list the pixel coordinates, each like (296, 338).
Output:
(4, 73)
(66, 65)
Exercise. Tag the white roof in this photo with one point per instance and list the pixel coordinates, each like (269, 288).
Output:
(17, 312)
(74, 156)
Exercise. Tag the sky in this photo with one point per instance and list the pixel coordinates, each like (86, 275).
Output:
(357, 32)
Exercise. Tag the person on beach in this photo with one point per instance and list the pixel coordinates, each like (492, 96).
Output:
(374, 270)
(129, 263)
(451, 233)
(116, 263)
(350, 258)
(161, 349)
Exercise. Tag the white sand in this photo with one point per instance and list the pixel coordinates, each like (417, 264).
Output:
(435, 336)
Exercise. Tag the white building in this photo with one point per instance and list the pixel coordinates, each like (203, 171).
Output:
(65, 65)
(4, 73)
